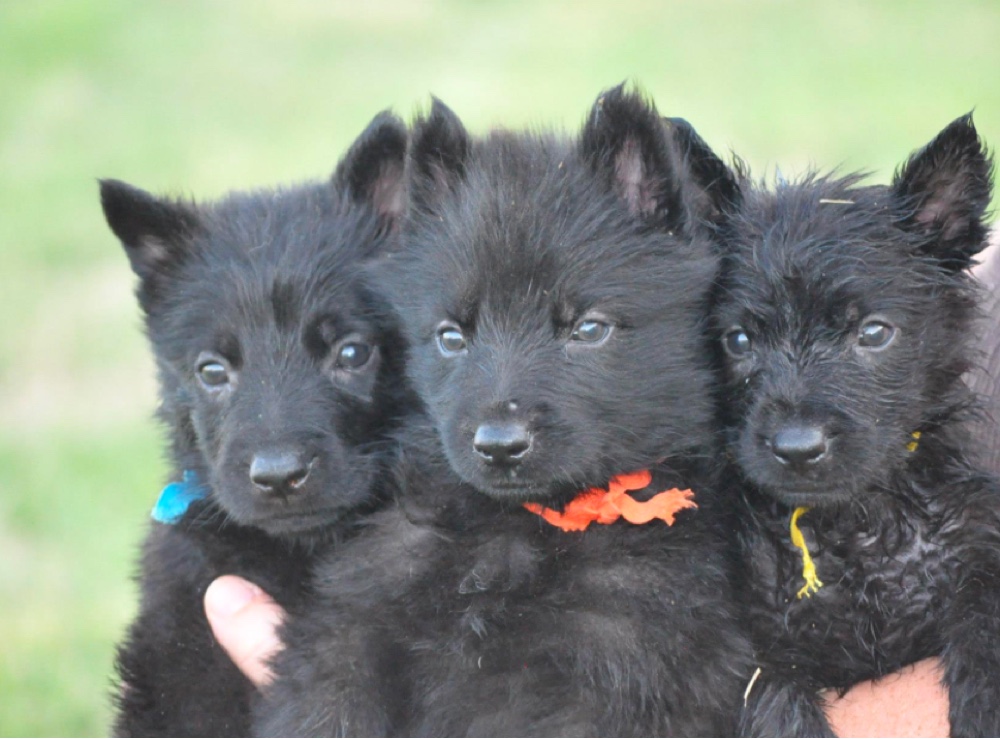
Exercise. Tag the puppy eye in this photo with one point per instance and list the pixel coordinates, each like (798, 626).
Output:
(451, 340)
(353, 355)
(213, 374)
(876, 335)
(591, 331)
(737, 343)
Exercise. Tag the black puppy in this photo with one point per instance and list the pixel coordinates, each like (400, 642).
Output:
(554, 295)
(871, 542)
(280, 379)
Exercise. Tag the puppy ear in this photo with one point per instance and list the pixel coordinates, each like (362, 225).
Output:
(628, 147)
(438, 153)
(944, 190)
(156, 233)
(372, 169)
(711, 187)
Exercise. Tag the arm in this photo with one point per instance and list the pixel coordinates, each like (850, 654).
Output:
(909, 703)
(984, 378)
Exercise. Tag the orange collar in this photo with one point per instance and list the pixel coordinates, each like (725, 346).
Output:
(607, 506)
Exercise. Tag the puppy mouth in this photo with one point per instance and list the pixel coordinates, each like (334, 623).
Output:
(300, 523)
(518, 480)
(320, 502)
(816, 498)
(808, 488)
(525, 488)
(847, 466)
(509, 490)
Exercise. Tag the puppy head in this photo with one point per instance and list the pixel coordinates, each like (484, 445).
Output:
(845, 320)
(553, 294)
(279, 371)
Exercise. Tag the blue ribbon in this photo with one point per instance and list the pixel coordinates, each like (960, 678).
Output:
(177, 497)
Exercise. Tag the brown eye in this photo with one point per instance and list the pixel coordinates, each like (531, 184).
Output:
(213, 374)
(737, 343)
(353, 355)
(591, 331)
(876, 335)
(451, 340)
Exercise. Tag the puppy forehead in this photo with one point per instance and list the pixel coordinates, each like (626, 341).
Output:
(277, 250)
(566, 244)
(296, 286)
(526, 280)
(802, 255)
(308, 219)
(795, 296)
(236, 301)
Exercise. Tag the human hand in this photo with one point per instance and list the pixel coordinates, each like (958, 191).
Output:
(245, 622)
(911, 702)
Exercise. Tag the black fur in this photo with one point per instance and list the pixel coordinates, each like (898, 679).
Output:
(460, 612)
(846, 319)
(281, 381)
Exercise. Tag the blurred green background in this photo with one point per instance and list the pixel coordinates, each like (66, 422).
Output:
(190, 97)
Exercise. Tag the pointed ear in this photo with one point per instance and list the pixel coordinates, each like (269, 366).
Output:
(628, 147)
(438, 153)
(372, 169)
(711, 187)
(944, 190)
(155, 232)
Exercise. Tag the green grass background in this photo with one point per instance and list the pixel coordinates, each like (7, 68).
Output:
(198, 97)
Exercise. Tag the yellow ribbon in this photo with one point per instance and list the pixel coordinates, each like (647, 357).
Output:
(813, 582)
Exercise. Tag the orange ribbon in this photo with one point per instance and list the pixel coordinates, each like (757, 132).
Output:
(607, 506)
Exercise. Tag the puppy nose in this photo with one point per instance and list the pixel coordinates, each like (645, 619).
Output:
(279, 472)
(799, 445)
(502, 443)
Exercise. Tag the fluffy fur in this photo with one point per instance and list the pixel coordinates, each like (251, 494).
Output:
(845, 322)
(553, 293)
(280, 381)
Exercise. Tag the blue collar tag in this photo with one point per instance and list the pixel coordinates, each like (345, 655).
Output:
(177, 496)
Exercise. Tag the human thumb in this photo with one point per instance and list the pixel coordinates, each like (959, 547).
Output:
(244, 620)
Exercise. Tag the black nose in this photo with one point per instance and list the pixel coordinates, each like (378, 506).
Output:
(279, 472)
(502, 443)
(799, 445)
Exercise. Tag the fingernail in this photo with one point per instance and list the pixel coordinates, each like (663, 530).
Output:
(227, 596)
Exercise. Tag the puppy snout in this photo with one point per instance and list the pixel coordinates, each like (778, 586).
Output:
(799, 446)
(280, 472)
(502, 443)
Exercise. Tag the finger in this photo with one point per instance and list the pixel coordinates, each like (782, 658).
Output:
(244, 620)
